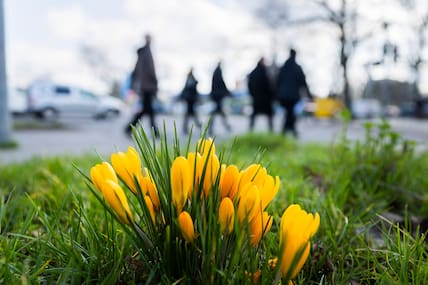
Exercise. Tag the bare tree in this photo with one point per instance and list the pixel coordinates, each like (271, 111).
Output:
(5, 129)
(344, 17)
(419, 12)
(100, 65)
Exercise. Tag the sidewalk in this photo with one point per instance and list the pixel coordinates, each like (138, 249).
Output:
(104, 137)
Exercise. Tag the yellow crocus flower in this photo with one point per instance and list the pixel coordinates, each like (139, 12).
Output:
(268, 186)
(229, 181)
(254, 173)
(102, 172)
(149, 188)
(249, 203)
(128, 167)
(268, 190)
(212, 168)
(226, 215)
(151, 208)
(196, 166)
(116, 198)
(206, 147)
(180, 182)
(185, 223)
(259, 227)
(296, 228)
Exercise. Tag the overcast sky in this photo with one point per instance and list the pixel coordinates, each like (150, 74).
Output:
(44, 39)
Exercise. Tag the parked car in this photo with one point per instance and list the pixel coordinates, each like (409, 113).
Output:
(47, 101)
(17, 101)
(366, 108)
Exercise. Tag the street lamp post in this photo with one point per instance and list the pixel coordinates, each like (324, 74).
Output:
(5, 128)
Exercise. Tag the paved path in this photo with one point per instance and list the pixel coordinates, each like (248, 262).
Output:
(82, 136)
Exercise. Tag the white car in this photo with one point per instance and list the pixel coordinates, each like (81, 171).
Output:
(17, 101)
(48, 101)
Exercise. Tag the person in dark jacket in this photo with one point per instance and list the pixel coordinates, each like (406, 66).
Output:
(145, 83)
(260, 90)
(290, 82)
(219, 91)
(190, 96)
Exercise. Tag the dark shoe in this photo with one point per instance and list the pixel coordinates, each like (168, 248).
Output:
(128, 132)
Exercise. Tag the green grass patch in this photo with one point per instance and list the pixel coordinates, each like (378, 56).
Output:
(8, 145)
(371, 196)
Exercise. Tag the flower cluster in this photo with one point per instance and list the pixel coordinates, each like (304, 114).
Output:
(201, 201)
(244, 195)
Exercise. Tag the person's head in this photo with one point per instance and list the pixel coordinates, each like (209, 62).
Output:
(261, 61)
(148, 38)
(292, 53)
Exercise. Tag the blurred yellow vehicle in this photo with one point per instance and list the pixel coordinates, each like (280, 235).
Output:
(327, 107)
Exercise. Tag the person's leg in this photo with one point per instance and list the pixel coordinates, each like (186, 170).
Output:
(288, 125)
(211, 123)
(252, 119)
(270, 122)
(186, 119)
(195, 115)
(223, 116)
(148, 110)
(135, 119)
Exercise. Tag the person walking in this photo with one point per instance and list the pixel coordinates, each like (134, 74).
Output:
(261, 92)
(290, 82)
(145, 83)
(219, 91)
(190, 96)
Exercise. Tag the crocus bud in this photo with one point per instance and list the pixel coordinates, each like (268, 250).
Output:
(180, 182)
(128, 167)
(102, 172)
(185, 223)
(226, 215)
(296, 228)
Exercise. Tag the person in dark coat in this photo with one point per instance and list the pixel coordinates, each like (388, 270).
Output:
(145, 83)
(190, 96)
(219, 91)
(261, 92)
(290, 82)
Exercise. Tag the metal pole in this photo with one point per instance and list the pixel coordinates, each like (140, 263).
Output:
(5, 128)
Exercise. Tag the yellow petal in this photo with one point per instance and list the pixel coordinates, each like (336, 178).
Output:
(296, 228)
(268, 190)
(249, 203)
(151, 208)
(229, 181)
(185, 223)
(102, 172)
(116, 198)
(149, 188)
(254, 173)
(226, 214)
(180, 182)
(259, 227)
(206, 147)
(212, 168)
(196, 166)
(128, 167)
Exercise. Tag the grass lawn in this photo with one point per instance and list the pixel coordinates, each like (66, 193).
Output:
(372, 197)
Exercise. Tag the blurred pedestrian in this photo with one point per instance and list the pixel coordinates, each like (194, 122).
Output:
(190, 96)
(145, 83)
(219, 91)
(261, 92)
(290, 82)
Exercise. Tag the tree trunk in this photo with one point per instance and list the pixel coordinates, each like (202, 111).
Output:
(5, 129)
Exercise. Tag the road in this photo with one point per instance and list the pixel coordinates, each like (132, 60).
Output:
(85, 136)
